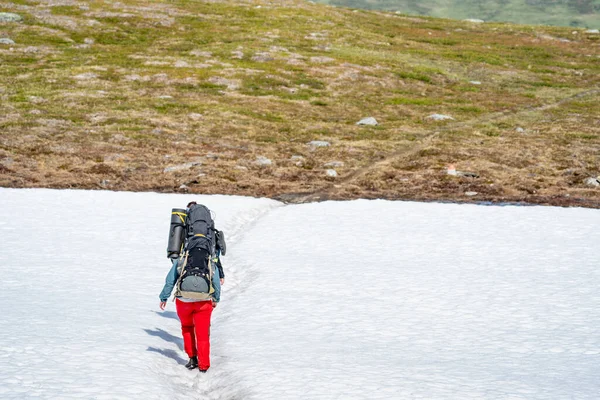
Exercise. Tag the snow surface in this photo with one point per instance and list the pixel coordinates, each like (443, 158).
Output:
(335, 300)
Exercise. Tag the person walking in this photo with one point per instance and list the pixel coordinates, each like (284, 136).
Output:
(194, 316)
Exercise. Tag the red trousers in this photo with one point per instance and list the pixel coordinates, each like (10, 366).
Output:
(195, 327)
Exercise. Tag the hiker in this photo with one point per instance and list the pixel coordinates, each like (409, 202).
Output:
(195, 319)
(195, 276)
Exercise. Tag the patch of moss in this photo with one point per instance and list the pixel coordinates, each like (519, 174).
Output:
(266, 116)
(168, 107)
(415, 101)
(412, 75)
(66, 10)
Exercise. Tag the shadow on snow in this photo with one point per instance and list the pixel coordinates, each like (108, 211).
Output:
(166, 336)
(168, 353)
(167, 314)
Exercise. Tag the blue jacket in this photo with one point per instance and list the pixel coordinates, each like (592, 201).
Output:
(172, 277)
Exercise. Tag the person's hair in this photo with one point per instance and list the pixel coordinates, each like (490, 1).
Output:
(191, 203)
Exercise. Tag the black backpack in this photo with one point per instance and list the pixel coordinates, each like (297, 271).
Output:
(195, 266)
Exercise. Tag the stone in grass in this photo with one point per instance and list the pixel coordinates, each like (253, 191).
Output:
(181, 64)
(475, 82)
(181, 167)
(263, 161)
(474, 20)
(471, 194)
(332, 173)
(519, 129)
(232, 84)
(86, 76)
(200, 53)
(7, 161)
(596, 31)
(452, 171)
(6, 41)
(298, 161)
(334, 164)
(321, 60)
(319, 143)
(592, 182)
(439, 117)
(132, 78)
(370, 121)
(10, 17)
(262, 57)
(36, 99)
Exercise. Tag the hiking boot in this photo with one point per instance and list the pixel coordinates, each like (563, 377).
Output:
(193, 363)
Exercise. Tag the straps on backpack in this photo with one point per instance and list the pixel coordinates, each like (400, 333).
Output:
(193, 295)
(182, 216)
(180, 271)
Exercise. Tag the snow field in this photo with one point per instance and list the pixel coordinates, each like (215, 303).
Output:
(81, 275)
(336, 300)
(399, 300)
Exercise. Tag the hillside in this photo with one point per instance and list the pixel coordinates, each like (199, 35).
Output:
(230, 97)
(575, 13)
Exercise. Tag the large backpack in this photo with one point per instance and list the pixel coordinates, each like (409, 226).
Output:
(195, 265)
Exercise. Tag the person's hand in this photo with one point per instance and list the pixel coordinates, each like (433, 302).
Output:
(163, 304)
(214, 304)
(222, 281)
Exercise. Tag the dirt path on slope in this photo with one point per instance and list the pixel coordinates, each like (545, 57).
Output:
(325, 192)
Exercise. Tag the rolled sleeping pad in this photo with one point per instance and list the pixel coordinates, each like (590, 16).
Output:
(176, 232)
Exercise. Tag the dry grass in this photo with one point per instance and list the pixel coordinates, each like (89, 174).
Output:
(113, 96)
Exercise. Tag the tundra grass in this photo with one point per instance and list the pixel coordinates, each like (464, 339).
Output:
(109, 95)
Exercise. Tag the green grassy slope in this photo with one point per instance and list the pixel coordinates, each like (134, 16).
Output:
(188, 95)
(576, 13)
